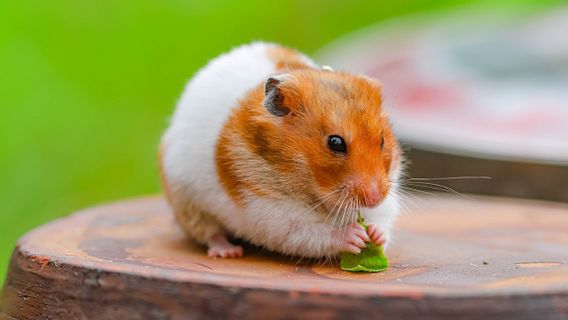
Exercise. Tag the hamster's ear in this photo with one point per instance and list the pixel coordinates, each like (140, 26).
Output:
(274, 97)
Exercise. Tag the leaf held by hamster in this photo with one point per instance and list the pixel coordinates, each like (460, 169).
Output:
(371, 258)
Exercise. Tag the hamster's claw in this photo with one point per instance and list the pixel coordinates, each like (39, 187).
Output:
(353, 238)
(220, 247)
(376, 235)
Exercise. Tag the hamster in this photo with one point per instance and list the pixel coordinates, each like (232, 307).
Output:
(266, 146)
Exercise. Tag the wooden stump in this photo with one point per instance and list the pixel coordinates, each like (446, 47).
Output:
(451, 258)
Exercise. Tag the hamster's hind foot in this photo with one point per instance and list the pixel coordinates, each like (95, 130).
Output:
(219, 246)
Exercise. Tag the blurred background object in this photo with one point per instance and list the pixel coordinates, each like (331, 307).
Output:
(86, 87)
(474, 93)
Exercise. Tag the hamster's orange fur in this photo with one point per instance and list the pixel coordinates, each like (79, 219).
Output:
(294, 146)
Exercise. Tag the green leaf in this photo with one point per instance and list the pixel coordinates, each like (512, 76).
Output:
(371, 258)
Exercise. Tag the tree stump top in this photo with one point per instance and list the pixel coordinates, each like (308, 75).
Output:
(450, 257)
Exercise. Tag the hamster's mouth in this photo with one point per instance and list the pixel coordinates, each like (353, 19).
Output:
(347, 201)
(355, 194)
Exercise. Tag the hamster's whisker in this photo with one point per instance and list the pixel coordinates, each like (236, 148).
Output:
(331, 213)
(300, 259)
(337, 210)
(332, 209)
(339, 213)
(449, 178)
(430, 186)
(408, 198)
(329, 259)
(412, 183)
(416, 190)
(356, 208)
(406, 194)
(411, 200)
(359, 205)
(438, 187)
(350, 209)
(324, 199)
(347, 212)
(398, 190)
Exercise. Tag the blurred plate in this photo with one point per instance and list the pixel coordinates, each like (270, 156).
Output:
(479, 85)
(493, 86)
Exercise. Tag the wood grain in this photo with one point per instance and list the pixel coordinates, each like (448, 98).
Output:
(451, 258)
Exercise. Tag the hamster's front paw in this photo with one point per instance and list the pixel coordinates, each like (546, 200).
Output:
(353, 238)
(376, 234)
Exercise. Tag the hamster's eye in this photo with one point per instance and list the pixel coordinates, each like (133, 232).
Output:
(337, 144)
(382, 142)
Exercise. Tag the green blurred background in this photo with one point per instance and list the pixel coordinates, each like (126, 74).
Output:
(86, 87)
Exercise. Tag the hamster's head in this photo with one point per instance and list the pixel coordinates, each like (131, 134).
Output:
(336, 141)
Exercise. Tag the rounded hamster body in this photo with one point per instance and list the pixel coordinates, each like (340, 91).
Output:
(266, 146)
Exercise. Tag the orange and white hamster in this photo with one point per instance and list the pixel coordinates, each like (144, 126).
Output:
(266, 146)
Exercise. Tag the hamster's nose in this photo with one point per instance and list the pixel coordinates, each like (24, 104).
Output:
(372, 199)
(371, 196)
